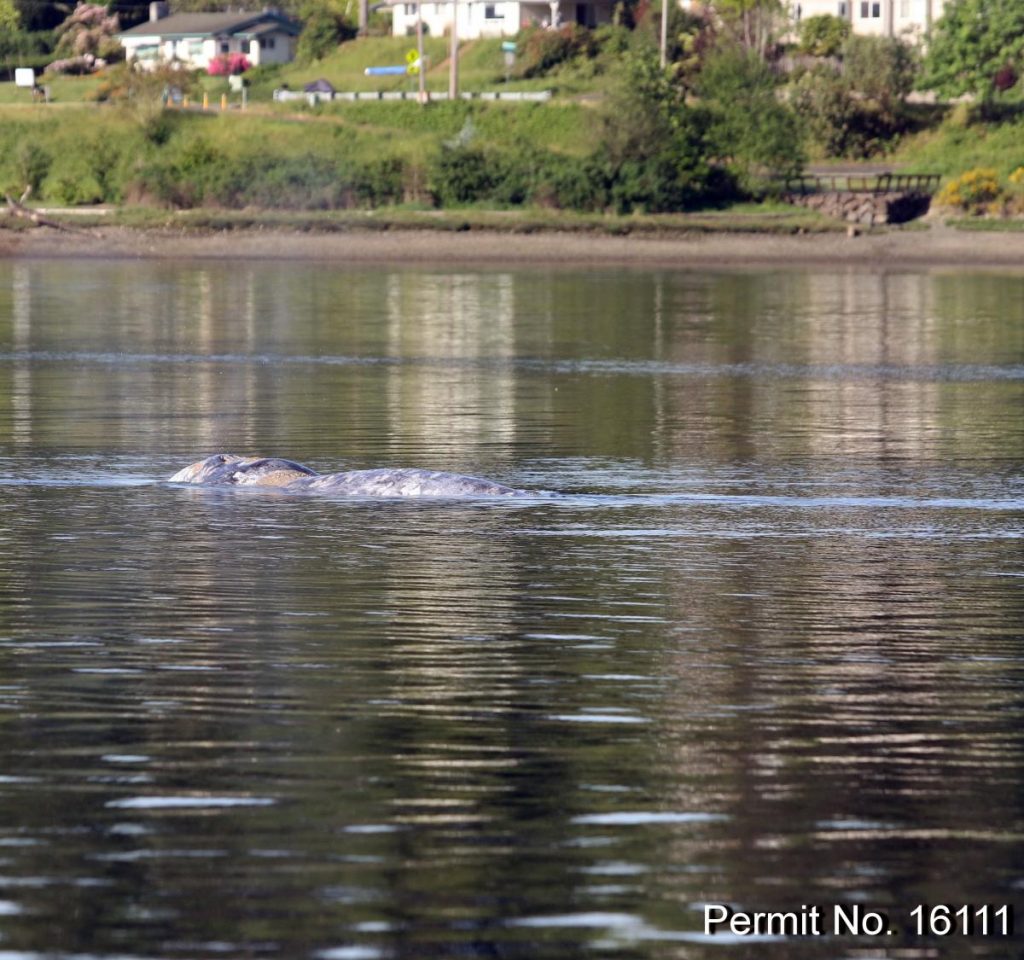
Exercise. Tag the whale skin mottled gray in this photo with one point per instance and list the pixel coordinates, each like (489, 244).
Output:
(227, 469)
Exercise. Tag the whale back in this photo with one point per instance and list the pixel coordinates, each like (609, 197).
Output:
(205, 471)
(227, 469)
(268, 472)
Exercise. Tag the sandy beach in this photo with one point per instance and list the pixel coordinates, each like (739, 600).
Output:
(937, 246)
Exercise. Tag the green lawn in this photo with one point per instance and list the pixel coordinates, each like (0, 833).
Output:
(481, 68)
(62, 90)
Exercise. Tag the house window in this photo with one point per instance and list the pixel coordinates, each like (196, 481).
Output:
(492, 11)
(410, 9)
(268, 43)
(225, 47)
(870, 11)
(195, 49)
(844, 10)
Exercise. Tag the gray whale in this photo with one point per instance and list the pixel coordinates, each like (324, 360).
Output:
(226, 469)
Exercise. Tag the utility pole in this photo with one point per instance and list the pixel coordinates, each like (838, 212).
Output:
(364, 16)
(419, 52)
(664, 33)
(453, 56)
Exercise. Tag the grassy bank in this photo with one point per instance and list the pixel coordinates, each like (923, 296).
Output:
(101, 153)
(967, 140)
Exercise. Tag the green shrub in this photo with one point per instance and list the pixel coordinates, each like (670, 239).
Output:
(380, 182)
(323, 32)
(575, 184)
(859, 114)
(462, 174)
(542, 50)
(32, 164)
(195, 172)
(823, 35)
(880, 68)
(840, 123)
(466, 175)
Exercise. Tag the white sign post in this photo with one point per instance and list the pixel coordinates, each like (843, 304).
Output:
(24, 77)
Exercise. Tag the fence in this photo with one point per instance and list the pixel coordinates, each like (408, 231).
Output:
(859, 183)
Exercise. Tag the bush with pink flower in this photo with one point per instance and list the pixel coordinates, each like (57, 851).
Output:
(228, 65)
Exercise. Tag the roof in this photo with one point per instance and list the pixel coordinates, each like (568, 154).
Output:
(212, 24)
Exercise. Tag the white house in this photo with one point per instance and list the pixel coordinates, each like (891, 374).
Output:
(888, 18)
(500, 18)
(195, 39)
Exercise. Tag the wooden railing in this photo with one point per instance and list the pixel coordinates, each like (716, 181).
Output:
(858, 183)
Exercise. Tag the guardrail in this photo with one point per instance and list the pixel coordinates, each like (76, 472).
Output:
(858, 183)
(313, 98)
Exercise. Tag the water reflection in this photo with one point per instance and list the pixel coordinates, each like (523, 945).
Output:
(766, 650)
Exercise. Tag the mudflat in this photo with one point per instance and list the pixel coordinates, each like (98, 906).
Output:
(934, 245)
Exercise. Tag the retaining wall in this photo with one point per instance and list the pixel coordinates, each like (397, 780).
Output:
(865, 208)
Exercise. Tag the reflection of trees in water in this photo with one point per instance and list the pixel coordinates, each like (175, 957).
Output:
(837, 365)
(464, 326)
(483, 366)
(845, 699)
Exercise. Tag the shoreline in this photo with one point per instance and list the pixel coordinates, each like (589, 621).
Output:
(937, 246)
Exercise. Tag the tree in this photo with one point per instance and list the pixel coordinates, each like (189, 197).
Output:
(754, 25)
(823, 35)
(10, 19)
(840, 121)
(654, 144)
(750, 128)
(324, 30)
(970, 44)
(39, 14)
(882, 69)
(90, 29)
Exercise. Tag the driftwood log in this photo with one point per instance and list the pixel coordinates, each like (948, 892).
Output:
(17, 208)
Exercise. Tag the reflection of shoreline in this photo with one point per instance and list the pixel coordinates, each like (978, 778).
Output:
(937, 247)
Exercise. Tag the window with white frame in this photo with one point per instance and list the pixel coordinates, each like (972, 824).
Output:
(493, 11)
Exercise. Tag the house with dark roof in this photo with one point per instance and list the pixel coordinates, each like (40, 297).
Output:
(194, 39)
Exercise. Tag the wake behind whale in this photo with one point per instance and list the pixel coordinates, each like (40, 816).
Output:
(226, 469)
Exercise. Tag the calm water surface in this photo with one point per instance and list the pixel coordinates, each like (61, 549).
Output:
(767, 649)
